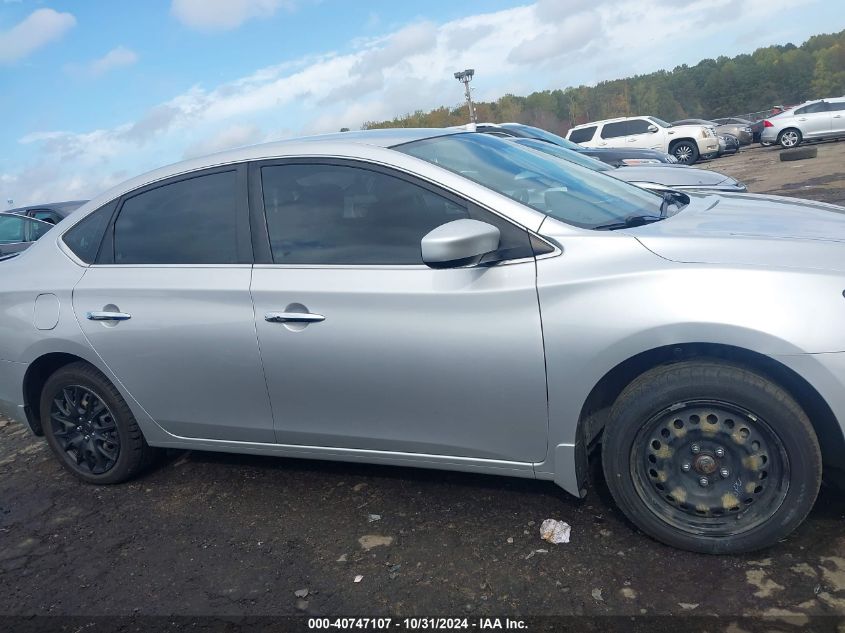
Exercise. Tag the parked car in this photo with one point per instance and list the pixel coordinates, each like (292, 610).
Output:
(686, 143)
(617, 157)
(52, 212)
(448, 300)
(728, 144)
(653, 177)
(756, 127)
(740, 132)
(811, 120)
(18, 232)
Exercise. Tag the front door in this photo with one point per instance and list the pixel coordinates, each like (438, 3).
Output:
(167, 307)
(814, 119)
(365, 347)
(639, 135)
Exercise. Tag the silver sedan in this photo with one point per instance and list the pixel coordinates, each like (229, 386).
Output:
(450, 300)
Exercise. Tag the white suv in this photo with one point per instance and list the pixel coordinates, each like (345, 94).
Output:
(685, 142)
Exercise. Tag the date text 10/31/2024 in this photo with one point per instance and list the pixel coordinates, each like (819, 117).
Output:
(436, 624)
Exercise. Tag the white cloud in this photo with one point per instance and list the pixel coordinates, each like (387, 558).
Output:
(115, 58)
(38, 29)
(222, 15)
(234, 136)
(513, 51)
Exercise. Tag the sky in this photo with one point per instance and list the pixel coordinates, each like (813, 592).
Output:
(94, 92)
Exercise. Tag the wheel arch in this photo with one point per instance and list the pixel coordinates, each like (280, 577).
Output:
(37, 374)
(593, 415)
(683, 139)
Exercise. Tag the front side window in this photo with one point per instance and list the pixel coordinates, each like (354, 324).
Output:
(582, 135)
(322, 214)
(191, 221)
(820, 106)
(638, 126)
(615, 130)
(561, 189)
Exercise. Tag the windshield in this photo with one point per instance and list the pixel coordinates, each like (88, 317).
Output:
(659, 122)
(561, 152)
(537, 133)
(561, 189)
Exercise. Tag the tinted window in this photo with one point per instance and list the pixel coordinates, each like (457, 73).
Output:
(836, 105)
(45, 216)
(18, 228)
(613, 130)
(821, 106)
(582, 135)
(638, 126)
(332, 214)
(191, 221)
(85, 237)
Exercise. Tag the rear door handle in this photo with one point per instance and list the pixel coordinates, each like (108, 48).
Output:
(293, 317)
(108, 316)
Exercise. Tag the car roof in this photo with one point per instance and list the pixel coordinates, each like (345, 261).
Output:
(333, 144)
(67, 205)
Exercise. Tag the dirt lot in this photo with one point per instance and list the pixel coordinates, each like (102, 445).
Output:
(216, 534)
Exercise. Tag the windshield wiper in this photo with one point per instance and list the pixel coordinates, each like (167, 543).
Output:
(629, 222)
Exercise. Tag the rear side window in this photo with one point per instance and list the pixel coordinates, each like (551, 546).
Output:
(85, 237)
(191, 221)
(582, 135)
(836, 105)
(614, 130)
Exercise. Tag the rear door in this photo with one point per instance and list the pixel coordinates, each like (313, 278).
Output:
(613, 134)
(167, 307)
(813, 120)
(389, 354)
(837, 117)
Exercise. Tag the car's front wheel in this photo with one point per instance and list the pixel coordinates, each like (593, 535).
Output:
(790, 138)
(686, 152)
(90, 428)
(711, 457)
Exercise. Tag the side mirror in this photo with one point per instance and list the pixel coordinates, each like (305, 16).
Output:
(459, 243)
(652, 128)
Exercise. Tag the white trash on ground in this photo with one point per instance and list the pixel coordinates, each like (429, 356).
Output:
(555, 531)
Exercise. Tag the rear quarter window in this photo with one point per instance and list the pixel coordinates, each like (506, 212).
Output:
(581, 135)
(84, 238)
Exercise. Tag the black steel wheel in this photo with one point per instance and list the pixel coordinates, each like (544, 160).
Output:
(711, 457)
(90, 428)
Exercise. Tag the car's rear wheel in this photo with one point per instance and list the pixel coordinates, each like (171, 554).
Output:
(90, 428)
(790, 137)
(711, 457)
(685, 151)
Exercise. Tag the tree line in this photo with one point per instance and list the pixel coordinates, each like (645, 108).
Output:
(713, 88)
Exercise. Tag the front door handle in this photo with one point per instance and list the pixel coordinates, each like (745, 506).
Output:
(293, 317)
(108, 316)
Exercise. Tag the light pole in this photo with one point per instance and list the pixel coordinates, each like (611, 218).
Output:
(465, 76)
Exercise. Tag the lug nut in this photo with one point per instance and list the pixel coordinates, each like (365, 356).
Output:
(725, 473)
(720, 452)
(686, 468)
(696, 449)
(704, 482)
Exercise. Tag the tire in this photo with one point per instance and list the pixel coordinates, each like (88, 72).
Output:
(799, 153)
(679, 424)
(685, 151)
(790, 137)
(106, 446)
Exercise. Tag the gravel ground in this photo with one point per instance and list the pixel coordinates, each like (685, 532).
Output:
(229, 535)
